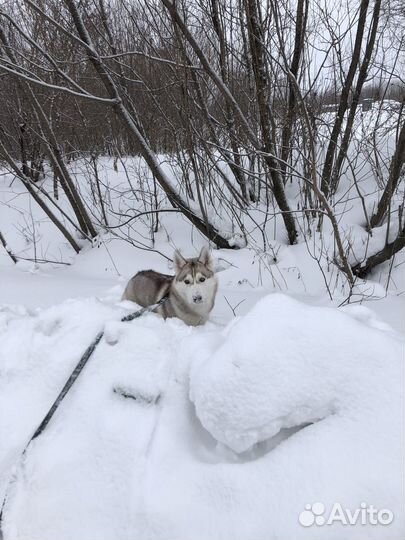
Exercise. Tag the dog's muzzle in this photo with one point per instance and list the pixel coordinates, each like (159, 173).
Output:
(197, 299)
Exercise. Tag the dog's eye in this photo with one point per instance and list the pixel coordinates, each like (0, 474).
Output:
(187, 281)
(202, 279)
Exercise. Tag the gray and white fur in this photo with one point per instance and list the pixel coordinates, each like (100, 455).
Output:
(191, 291)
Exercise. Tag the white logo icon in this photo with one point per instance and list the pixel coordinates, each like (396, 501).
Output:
(312, 514)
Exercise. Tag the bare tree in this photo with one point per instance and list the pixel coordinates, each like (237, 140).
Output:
(255, 107)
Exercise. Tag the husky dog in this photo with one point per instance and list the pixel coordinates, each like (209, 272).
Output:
(191, 292)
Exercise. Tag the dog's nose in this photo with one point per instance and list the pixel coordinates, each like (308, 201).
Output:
(197, 299)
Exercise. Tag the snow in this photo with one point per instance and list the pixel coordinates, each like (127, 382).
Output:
(239, 462)
(290, 395)
(286, 364)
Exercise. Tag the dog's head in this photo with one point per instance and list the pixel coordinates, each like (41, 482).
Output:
(195, 279)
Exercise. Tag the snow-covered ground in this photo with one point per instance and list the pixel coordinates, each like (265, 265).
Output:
(232, 432)
(283, 400)
(217, 443)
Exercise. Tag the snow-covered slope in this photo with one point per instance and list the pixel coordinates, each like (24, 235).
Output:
(237, 460)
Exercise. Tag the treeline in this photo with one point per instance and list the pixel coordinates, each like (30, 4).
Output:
(234, 82)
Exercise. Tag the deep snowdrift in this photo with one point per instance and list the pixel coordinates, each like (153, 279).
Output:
(110, 467)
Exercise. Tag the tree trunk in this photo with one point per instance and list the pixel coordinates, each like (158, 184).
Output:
(262, 96)
(269, 157)
(8, 250)
(236, 163)
(355, 99)
(300, 28)
(362, 269)
(344, 100)
(53, 150)
(397, 162)
(122, 112)
(27, 183)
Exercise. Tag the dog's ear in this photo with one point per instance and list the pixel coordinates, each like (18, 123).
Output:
(205, 258)
(178, 260)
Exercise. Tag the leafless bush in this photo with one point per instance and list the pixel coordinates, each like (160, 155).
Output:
(255, 105)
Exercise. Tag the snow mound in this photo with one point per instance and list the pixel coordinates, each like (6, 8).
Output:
(125, 456)
(287, 364)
